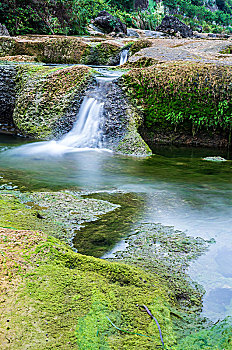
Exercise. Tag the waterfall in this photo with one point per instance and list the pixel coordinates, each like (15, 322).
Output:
(87, 132)
(124, 56)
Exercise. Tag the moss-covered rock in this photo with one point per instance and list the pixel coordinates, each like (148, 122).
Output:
(132, 142)
(183, 97)
(105, 53)
(52, 297)
(62, 50)
(44, 95)
(138, 45)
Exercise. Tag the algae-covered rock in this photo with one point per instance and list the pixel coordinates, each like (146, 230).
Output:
(132, 142)
(44, 97)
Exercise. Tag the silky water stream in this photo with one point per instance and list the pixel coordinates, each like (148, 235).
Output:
(174, 187)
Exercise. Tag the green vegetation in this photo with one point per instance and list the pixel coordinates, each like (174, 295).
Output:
(68, 17)
(217, 337)
(190, 96)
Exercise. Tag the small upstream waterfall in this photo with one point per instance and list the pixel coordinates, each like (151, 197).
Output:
(124, 56)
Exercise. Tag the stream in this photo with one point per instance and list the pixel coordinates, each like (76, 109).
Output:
(174, 187)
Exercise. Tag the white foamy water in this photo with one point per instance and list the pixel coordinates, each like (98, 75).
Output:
(86, 134)
(124, 57)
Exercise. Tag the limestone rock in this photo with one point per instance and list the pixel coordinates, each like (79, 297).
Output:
(3, 30)
(172, 25)
(109, 23)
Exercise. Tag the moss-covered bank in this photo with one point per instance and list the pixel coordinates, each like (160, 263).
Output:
(183, 97)
(63, 50)
(44, 98)
(52, 297)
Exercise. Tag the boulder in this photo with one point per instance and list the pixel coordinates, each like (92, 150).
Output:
(172, 25)
(109, 23)
(3, 30)
(141, 4)
(132, 32)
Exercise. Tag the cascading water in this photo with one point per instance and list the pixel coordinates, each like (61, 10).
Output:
(124, 56)
(87, 132)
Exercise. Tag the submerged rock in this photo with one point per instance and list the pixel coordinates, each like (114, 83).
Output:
(109, 23)
(172, 25)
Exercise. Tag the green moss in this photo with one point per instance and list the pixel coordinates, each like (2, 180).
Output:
(190, 96)
(132, 143)
(136, 46)
(62, 293)
(102, 54)
(44, 95)
(227, 50)
(216, 337)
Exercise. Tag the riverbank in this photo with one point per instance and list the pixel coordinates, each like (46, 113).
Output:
(52, 296)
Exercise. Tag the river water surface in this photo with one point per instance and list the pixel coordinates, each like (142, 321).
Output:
(174, 187)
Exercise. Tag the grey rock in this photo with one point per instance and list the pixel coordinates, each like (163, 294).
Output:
(109, 23)
(131, 32)
(3, 30)
(94, 30)
(212, 35)
(153, 34)
(172, 25)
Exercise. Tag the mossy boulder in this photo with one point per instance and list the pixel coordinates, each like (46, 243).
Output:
(183, 97)
(44, 95)
(105, 53)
